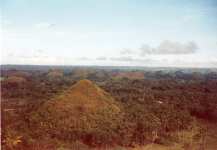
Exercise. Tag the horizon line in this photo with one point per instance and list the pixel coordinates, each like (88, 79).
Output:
(60, 65)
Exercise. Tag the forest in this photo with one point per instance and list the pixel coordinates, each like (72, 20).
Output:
(81, 108)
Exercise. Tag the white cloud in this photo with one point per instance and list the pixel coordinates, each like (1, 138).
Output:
(131, 59)
(121, 58)
(166, 47)
(101, 58)
(44, 25)
(127, 52)
(40, 51)
(84, 58)
(170, 47)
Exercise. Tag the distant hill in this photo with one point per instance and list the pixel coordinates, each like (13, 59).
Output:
(84, 111)
(128, 74)
(55, 73)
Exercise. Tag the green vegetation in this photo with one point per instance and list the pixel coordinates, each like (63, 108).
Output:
(54, 109)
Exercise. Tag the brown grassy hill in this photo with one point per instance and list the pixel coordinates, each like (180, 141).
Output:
(81, 73)
(129, 75)
(55, 73)
(84, 111)
(15, 79)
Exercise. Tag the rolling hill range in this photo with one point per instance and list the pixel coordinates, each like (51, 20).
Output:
(54, 109)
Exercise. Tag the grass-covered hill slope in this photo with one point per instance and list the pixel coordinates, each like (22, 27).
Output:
(83, 111)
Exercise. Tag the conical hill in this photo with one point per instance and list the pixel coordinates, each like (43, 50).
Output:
(83, 109)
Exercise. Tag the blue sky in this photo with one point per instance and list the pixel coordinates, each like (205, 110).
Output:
(109, 32)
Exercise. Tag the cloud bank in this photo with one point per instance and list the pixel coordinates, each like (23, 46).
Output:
(170, 47)
(126, 52)
(101, 58)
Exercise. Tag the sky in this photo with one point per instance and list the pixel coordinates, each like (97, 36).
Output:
(160, 33)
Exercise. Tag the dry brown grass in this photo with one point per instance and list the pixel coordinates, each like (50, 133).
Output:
(82, 109)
